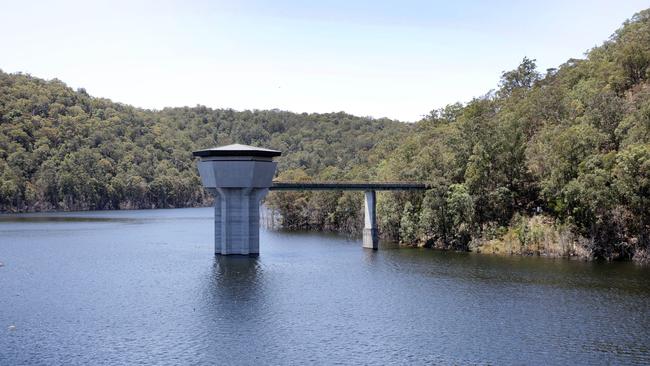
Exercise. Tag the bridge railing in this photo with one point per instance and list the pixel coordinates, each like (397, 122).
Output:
(348, 186)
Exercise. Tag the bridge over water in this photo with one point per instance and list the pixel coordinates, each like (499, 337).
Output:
(348, 186)
(370, 228)
(239, 176)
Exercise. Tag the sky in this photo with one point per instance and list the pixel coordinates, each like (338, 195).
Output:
(395, 59)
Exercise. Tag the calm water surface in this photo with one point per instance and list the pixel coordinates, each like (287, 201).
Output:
(143, 287)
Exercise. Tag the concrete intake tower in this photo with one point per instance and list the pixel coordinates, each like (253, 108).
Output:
(238, 176)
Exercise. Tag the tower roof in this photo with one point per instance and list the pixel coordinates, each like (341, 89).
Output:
(237, 150)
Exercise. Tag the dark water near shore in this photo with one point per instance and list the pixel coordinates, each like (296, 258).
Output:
(143, 287)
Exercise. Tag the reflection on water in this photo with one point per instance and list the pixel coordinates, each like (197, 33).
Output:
(143, 287)
(238, 277)
(41, 219)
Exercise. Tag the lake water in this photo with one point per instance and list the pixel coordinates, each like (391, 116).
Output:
(143, 287)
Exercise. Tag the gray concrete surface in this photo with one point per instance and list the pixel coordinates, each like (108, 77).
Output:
(239, 177)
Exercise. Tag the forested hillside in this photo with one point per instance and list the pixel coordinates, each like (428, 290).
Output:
(554, 162)
(65, 150)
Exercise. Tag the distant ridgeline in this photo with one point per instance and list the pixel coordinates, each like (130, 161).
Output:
(554, 163)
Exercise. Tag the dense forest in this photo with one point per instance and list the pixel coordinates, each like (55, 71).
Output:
(551, 163)
(65, 150)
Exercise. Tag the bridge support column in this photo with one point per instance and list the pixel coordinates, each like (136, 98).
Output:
(370, 231)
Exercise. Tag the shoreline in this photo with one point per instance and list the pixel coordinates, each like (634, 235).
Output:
(495, 246)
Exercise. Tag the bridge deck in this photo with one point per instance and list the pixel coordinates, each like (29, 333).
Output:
(348, 186)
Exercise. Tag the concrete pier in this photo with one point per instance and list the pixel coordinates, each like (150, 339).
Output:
(239, 177)
(370, 230)
(236, 220)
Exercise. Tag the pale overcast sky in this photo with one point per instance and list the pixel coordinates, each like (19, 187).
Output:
(396, 59)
